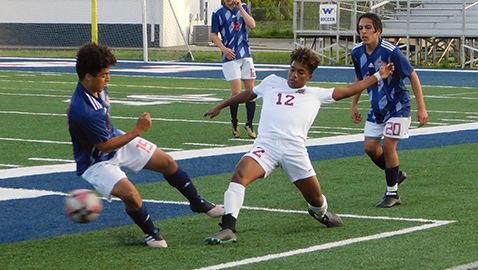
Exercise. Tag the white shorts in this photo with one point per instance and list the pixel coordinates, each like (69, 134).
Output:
(395, 127)
(239, 69)
(105, 174)
(292, 156)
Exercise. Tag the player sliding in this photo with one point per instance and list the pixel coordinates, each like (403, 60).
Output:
(288, 111)
(101, 149)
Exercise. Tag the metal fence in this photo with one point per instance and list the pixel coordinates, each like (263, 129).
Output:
(431, 32)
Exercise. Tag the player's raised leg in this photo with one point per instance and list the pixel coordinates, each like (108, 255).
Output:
(178, 178)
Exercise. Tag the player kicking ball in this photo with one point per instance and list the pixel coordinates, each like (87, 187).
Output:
(101, 149)
(288, 111)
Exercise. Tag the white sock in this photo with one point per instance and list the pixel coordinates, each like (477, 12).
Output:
(234, 198)
(392, 190)
(320, 210)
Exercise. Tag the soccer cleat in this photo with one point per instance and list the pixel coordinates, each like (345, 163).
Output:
(210, 209)
(390, 201)
(224, 236)
(329, 219)
(250, 131)
(155, 241)
(235, 129)
(401, 177)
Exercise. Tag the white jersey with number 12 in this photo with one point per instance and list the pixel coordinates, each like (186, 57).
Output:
(288, 113)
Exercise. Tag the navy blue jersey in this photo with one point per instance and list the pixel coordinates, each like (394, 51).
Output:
(389, 97)
(233, 29)
(89, 123)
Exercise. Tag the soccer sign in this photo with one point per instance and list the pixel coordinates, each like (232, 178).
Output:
(328, 14)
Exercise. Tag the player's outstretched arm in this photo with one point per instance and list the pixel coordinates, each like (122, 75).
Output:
(242, 97)
(353, 89)
(144, 123)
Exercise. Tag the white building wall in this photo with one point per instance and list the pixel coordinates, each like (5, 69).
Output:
(109, 12)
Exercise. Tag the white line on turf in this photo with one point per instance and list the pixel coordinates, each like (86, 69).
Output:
(472, 265)
(10, 165)
(51, 159)
(34, 141)
(326, 246)
(205, 144)
(20, 193)
(217, 151)
(11, 193)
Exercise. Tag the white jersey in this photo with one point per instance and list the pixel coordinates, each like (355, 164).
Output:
(289, 113)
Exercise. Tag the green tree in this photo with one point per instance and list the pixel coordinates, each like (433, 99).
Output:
(272, 10)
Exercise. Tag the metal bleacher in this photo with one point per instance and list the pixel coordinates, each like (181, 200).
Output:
(434, 18)
(429, 31)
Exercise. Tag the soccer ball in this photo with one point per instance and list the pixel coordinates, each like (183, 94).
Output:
(83, 206)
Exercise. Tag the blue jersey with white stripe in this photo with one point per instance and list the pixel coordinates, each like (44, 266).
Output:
(389, 97)
(89, 123)
(233, 29)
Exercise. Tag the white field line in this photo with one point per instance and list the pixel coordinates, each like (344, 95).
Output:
(205, 144)
(111, 85)
(472, 265)
(217, 151)
(60, 142)
(120, 117)
(457, 120)
(52, 159)
(10, 165)
(326, 246)
(211, 121)
(10, 193)
(33, 141)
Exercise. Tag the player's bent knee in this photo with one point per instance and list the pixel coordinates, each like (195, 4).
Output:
(132, 200)
(162, 163)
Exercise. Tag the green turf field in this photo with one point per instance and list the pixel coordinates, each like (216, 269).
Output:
(434, 228)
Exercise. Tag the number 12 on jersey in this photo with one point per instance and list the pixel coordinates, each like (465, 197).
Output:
(287, 99)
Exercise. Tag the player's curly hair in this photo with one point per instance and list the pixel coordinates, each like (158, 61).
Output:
(376, 22)
(92, 58)
(307, 57)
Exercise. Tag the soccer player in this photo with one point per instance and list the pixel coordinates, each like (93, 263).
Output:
(390, 115)
(288, 111)
(231, 20)
(101, 149)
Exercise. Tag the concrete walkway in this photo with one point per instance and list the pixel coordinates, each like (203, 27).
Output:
(257, 44)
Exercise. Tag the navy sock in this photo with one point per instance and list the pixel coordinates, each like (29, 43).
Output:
(143, 220)
(234, 108)
(180, 180)
(251, 111)
(380, 162)
(391, 175)
(228, 222)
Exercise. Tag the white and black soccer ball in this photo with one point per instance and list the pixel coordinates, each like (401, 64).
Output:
(83, 205)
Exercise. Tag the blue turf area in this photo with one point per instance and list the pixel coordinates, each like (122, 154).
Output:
(28, 219)
(24, 219)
